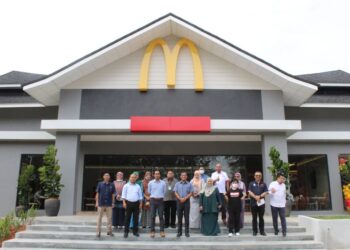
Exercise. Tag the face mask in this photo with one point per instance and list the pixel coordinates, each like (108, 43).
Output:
(234, 185)
(201, 171)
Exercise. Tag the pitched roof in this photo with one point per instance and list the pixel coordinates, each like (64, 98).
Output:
(46, 90)
(15, 96)
(335, 76)
(19, 79)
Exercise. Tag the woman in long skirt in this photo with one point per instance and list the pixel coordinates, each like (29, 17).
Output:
(118, 210)
(210, 204)
(195, 215)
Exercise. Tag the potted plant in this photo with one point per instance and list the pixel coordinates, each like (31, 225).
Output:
(24, 188)
(50, 180)
(344, 169)
(279, 166)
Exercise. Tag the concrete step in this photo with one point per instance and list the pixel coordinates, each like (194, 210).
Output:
(88, 228)
(169, 237)
(92, 222)
(139, 244)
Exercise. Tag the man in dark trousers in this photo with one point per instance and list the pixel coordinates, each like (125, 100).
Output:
(132, 202)
(105, 192)
(257, 191)
(170, 200)
(183, 191)
(157, 189)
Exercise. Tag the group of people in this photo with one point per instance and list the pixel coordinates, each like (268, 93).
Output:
(198, 202)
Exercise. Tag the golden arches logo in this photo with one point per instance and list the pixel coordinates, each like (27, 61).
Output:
(171, 58)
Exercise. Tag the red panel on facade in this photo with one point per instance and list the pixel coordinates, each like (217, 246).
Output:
(182, 124)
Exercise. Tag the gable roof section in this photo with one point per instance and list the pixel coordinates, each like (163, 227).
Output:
(18, 79)
(334, 78)
(46, 90)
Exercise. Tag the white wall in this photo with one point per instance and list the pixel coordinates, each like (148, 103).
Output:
(333, 233)
(217, 73)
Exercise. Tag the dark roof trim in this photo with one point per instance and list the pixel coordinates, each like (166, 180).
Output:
(187, 22)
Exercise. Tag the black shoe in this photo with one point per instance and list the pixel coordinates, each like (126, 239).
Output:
(255, 233)
(179, 235)
(136, 234)
(284, 234)
(110, 234)
(126, 235)
(276, 232)
(187, 235)
(98, 235)
(263, 233)
(173, 226)
(166, 226)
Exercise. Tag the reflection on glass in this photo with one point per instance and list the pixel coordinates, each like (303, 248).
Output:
(310, 182)
(96, 165)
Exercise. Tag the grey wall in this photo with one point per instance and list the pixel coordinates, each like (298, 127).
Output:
(332, 150)
(272, 104)
(25, 119)
(10, 155)
(70, 101)
(171, 148)
(219, 104)
(321, 119)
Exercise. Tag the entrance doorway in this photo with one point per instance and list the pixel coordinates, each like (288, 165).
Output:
(96, 165)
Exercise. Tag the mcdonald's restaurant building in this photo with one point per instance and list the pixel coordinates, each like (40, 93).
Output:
(171, 95)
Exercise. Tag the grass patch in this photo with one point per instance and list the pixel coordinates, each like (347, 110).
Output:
(332, 217)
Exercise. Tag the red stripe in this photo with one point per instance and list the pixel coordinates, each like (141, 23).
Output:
(184, 124)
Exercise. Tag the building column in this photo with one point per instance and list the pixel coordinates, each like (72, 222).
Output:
(280, 142)
(336, 191)
(68, 146)
(68, 151)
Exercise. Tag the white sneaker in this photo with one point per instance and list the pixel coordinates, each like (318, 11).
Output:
(237, 234)
(230, 234)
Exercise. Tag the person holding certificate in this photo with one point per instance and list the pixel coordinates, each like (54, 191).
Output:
(257, 191)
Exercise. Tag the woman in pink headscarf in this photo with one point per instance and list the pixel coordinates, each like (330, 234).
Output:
(118, 210)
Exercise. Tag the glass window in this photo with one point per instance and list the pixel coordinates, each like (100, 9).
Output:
(36, 160)
(96, 165)
(310, 182)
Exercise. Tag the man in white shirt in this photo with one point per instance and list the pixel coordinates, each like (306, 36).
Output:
(220, 177)
(278, 193)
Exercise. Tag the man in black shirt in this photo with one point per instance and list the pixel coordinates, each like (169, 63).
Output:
(257, 191)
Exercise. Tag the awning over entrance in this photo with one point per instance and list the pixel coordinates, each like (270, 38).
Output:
(217, 126)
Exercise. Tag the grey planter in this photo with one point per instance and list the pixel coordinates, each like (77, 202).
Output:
(52, 206)
(288, 207)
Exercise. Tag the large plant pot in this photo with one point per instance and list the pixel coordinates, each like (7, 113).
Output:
(288, 207)
(52, 206)
(20, 209)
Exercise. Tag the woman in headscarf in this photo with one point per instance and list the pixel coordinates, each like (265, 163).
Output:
(210, 204)
(146, 210)
(118, 210)
(198, 185)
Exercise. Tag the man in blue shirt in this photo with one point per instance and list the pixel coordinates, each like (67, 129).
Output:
(132, 202)
(105, 192)
(157, 189)
(203, 175)
(257, 191)
(183, 191)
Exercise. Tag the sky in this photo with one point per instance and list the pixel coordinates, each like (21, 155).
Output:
(298, 36)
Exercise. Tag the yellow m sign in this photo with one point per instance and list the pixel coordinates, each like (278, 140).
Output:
(171, 58)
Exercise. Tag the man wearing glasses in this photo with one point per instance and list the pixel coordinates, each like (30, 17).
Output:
(257, 191)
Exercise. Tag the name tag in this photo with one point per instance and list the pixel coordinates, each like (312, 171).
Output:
(169, 188)
(234, 194)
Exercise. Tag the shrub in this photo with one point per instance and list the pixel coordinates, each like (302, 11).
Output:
(50, 178)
